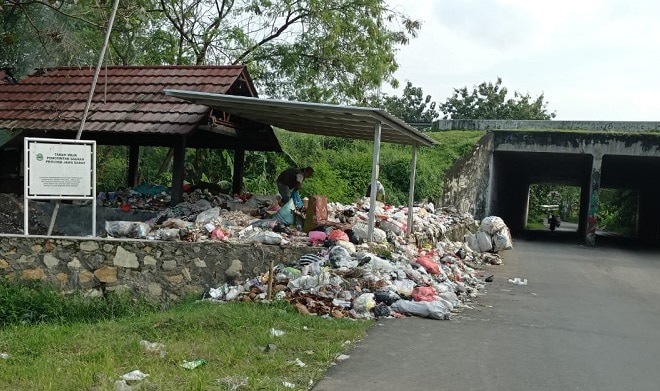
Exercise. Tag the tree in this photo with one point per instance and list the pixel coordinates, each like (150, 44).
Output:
(313, 50)
(489, 101)
(412, 106)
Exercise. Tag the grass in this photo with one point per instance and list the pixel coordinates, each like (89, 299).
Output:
(230, 337)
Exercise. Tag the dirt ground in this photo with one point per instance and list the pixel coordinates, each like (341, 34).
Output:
(12, 216)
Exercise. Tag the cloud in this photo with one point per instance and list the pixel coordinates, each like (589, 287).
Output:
(592, 59)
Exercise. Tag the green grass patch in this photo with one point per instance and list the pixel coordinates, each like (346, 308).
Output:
(229, 337)
(34, 302)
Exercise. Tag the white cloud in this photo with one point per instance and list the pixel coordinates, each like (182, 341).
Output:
(592, 59)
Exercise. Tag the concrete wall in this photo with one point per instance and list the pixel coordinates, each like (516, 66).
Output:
(466, 184)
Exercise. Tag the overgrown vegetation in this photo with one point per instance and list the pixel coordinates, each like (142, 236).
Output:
(617, 211)
(342, 166)
(93, 351)
(567, 199)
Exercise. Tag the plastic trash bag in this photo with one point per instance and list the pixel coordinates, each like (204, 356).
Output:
(127, 229)
(285, 215)
(484, 241)
(207, 216)
(471, 240)
(361, 231)
(502, 240)
(404, 287)
(168, 234)
(266, 237)
(364, 303)
(491, 224)
(423, 293)
(428, 264)
(425, 309)
(339, 257)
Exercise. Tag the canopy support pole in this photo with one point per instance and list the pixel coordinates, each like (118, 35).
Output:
(411, 191)
(375, 168)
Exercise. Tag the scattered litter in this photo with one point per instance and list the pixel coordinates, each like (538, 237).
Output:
(299, 363)
(518, 281)
(276, 333)
(135, 375)
(343, 357)
(4, 355)
(288, 385)
(271, 347)
(154, 347)
(193, 364)
(233, 382)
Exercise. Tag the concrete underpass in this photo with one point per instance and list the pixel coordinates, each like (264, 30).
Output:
(590, 161)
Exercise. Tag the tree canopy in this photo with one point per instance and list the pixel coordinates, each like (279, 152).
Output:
(489, 101)
(412, 106)
(337, 51)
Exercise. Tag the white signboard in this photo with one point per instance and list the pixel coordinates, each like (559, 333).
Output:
(60, 168)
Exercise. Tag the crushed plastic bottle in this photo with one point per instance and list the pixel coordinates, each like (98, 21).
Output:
(193, 364)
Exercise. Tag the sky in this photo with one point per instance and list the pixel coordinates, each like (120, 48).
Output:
(594, 60)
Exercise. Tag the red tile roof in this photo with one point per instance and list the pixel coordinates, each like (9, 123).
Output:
(127, 99)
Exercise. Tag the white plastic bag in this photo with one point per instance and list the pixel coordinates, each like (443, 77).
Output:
(426, 309)
(266, 237)
(484, 241)
(491, 224)
(471, 240)
(502, 240)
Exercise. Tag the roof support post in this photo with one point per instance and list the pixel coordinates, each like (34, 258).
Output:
(178, 171)
(411, 191)
(239, 167)
(133, 158)
(375, 168)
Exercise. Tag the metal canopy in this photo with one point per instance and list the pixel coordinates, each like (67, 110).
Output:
(324, 119)
(315, 118)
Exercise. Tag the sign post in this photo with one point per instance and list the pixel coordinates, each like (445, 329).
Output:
(59, 169)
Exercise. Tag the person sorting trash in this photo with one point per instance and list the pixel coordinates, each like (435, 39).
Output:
(380, 191)
(291, 180)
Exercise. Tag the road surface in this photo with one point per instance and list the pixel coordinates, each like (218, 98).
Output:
(588, 319)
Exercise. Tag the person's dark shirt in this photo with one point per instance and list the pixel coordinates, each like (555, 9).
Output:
(289, 177)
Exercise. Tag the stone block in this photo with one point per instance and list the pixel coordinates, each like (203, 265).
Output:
(107, 274)
(89, 246)
(175, 279)
(148, 260)
(50, 260)
(63, 278)
(86, 279)
(74, 264)
(169, 265)
(34, 274)
(154, 289)
(125, 259)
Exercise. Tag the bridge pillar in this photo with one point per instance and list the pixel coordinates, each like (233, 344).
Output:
(594, 189)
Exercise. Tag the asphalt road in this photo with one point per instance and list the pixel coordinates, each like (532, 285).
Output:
(588, 319)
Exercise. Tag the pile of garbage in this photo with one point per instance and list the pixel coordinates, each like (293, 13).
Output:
(394, 274)
(339, 282)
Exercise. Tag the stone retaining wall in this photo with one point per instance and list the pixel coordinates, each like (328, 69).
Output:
(164, 271)
(160, 270)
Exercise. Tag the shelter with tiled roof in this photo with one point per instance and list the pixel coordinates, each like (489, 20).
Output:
(129, 108)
